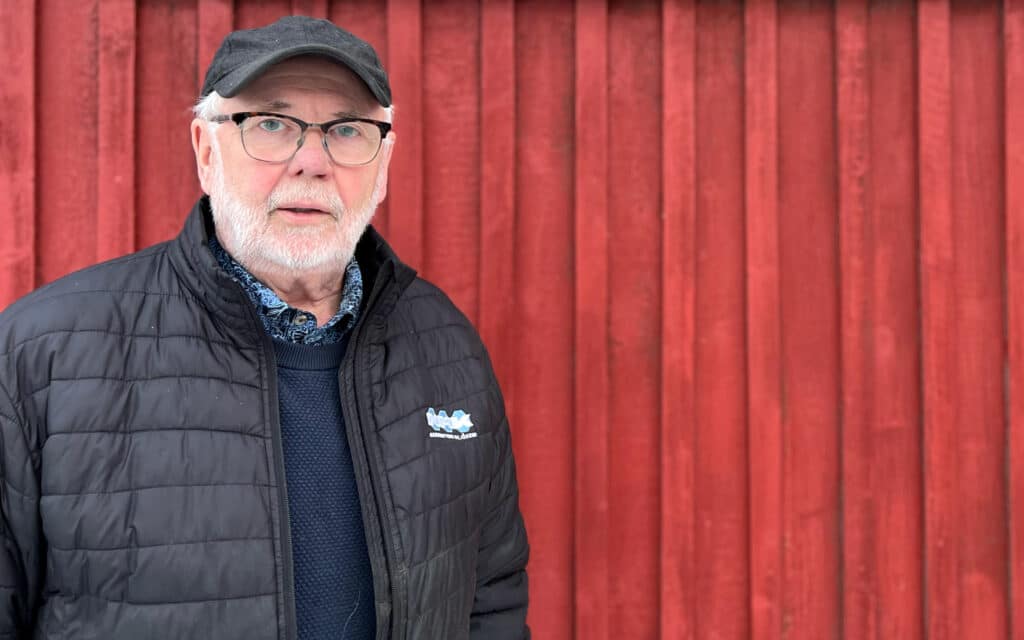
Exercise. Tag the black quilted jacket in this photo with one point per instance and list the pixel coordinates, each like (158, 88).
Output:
(141, 476)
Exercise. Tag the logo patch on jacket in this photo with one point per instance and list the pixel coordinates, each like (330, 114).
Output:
(450, 427)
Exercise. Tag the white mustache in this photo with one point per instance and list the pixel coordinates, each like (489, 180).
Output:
(329, 202)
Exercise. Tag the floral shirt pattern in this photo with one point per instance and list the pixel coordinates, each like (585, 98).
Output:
(287, 323)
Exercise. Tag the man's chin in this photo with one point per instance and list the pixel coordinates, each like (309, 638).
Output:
(302, 258)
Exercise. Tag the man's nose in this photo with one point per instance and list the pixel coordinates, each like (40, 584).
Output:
(311, 157)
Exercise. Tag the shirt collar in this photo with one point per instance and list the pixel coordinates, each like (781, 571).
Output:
(287, 323)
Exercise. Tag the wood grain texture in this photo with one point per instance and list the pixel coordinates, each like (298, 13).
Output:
(166, 185)
(65, 227)
(720, 514)
(1013, 37)
(498, 182)
(860, 543)
(763, 318)
(978, 228)
(18, 150)
(881, 414)
(634, 71)
(808, 253)
(451, 156)
(115, 154)
(543, 314)
(895, 432)
(939, 339)
(593, 555)
(680, 596)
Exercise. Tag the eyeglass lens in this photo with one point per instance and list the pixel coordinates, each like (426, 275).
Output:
(275, 139)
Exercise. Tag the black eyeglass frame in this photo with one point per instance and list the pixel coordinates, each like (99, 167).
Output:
(241, 116)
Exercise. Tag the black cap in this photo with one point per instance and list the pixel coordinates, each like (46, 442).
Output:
(244, 55)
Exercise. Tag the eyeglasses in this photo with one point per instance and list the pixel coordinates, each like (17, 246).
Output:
(275, 137)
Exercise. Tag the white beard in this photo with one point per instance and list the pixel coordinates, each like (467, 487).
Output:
(245, 229)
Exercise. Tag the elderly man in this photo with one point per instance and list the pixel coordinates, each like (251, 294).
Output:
(268, 427)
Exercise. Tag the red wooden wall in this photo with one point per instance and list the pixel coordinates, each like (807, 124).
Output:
(752, 276)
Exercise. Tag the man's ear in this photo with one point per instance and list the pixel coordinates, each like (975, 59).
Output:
(202, 145)
(386, 147)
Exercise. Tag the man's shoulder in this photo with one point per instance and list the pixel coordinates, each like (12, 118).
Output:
(63, 302)
(427, 304)
(426, 311)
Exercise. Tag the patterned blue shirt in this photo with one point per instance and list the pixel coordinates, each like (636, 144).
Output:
(287, 323)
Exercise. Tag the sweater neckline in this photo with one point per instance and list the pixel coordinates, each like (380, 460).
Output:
(306, 357)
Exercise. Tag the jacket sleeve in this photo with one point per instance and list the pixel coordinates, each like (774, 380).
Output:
(21, 562)
(499, 608)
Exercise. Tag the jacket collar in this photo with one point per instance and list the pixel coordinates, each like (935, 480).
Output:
(198, 269)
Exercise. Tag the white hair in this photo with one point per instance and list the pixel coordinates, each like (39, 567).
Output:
(212, 105)
(208, 106)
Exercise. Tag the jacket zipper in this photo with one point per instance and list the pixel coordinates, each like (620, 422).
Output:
(361, 459)
(291, 631)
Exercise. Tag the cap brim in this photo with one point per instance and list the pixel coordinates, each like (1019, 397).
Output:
(230, 84)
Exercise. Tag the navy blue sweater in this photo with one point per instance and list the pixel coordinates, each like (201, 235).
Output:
(333, 583)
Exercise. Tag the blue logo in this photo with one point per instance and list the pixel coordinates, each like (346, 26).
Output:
(453, 427)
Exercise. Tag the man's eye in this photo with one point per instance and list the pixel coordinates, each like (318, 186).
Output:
(271, 125)
(346, 131)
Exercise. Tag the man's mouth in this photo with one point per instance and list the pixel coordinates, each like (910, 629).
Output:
(301, 209)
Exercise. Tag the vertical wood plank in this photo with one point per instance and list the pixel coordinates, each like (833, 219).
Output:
(894, 369)
(634, 73)
(859, 578)
(592, 386)
(881, 437)
(498, 184)
(722, 539)
(66, 63)
(1013, 34)
(810, 317)
(404, 221)
(544, 298)
(978, 227)
(451, 155)
(165, 84)
(764, 331)
(115, 198)
(938, 322)
(679, 592)
(18, 150)
(860, 581)
(214, 21)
